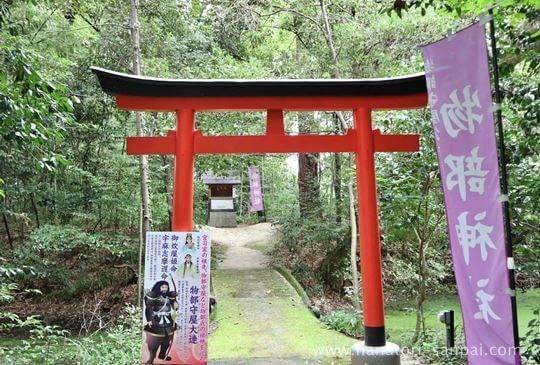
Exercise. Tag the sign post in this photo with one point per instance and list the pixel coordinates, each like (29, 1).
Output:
(176, 300)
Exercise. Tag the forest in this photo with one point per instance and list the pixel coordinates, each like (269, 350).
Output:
(75, 207)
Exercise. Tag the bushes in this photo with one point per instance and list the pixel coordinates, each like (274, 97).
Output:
(530, 344)
(78, 275)
(432, 350)
(9, 290)
(68, 260)
(48, 345)
(70, 240)
(121, 345)
(314, 250)
(345, 322)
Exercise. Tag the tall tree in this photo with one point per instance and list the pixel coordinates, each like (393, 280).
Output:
(143, 161)
(328, 36)
(308, 175)
(146, 220)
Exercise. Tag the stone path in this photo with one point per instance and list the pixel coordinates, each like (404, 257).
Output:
(239, 256)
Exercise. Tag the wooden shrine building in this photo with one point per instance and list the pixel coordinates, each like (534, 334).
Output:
(221, 203)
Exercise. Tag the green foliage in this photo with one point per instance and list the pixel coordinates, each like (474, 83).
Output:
(34, 112)
(9, 291)
(81, 215)
(67, 261)
(49, 345)
(40, 348)
(433, 350)
(118, 345)
(200, 212)
(74, 242)
(344, 322)
(522, 139)
(9, 321)
(314, 249)
(530, 344)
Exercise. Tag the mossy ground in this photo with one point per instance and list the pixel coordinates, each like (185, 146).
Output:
(262, 247)
(261, 316)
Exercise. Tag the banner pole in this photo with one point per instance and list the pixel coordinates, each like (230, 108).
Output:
(504, 178)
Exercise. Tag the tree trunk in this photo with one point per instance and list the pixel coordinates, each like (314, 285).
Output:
(336, 177)
(424, 239)
(140, 263)
(143, 162)
(10, 239)
(336, 74)
(354, 249)
(145, 220)
(308, 176)
(167, 178)
(34, 207)
(421, 296)
(308, 163)
(308, 183)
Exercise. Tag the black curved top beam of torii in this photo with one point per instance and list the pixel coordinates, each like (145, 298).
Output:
(117, 83)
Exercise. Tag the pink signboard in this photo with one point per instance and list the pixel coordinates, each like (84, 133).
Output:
(176, 297)
(457, 75)
(255, 189)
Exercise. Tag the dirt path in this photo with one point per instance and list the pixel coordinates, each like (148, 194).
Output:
(260, 317)
(240, 242)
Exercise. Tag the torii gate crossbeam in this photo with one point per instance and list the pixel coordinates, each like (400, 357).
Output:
(185, 97)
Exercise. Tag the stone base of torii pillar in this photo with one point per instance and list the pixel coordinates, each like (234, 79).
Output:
(375, 355)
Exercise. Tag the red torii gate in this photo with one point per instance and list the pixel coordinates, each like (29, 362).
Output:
(185, 97)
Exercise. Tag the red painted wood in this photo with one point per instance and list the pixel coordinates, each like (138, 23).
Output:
(274, 123)
(150, 145)
(183, 171)
(395, 142)
(368, 222)
(274, 143)
(163, 104)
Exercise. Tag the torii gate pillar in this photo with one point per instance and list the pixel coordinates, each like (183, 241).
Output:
(368, 229)
(182, 216)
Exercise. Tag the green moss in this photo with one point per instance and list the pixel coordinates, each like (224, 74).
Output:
(222, 343)
(262, 247)
(294, 283)
(261, 316)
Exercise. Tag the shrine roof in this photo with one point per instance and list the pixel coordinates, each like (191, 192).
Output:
(227, 177)
(117, 83)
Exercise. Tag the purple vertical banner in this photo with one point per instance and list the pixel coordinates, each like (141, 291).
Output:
(255, 189)
(457, 76)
